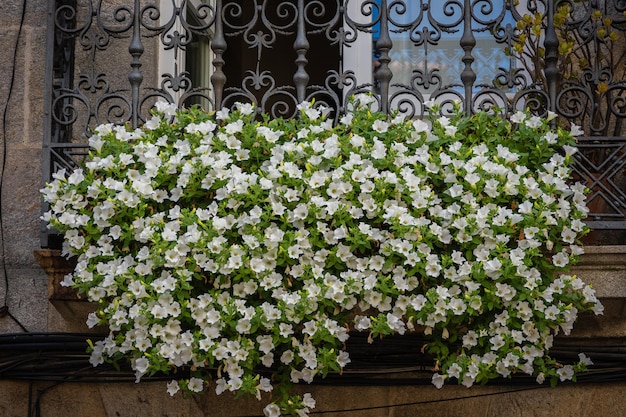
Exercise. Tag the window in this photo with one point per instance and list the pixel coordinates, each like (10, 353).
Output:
(338, 53)
(426, 57)
(112, 62)
(185, 51)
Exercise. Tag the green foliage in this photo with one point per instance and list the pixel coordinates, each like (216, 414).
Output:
(235, 248)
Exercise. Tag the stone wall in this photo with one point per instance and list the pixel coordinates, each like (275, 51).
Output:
(150, 399)
(25, 285)
(25, 290)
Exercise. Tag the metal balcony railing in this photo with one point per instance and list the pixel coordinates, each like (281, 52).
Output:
(109, 61)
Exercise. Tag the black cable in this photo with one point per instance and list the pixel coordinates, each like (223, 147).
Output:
(63, 357)
(34, 410)
(417, 403)
(4, 310)
(30, 399)
(59, 358)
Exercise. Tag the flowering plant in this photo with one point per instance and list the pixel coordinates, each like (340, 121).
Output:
(233, 247)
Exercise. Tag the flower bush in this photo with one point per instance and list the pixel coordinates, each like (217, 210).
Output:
(246, 251)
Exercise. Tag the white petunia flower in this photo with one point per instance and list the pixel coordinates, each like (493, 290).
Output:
(560, 259)
(165, 108)
(271, 410)
(245, 108)
(173, 387)
(518, 117)
(438, 380)
(534, 122)
(420, 126)
(380, 126)
(576, 130)
(565, 373)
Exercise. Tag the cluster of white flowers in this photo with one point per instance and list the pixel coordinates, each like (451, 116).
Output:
(217, 242)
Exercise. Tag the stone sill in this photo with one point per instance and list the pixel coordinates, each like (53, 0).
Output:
(57, 267)
(604, 267)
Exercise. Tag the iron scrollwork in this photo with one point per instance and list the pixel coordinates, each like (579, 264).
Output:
(261, 26)
(594, 85)
(486, 54)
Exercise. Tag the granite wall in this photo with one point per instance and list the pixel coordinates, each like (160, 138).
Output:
(24, 290)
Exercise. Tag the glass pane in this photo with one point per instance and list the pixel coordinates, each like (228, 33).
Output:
(427, 55)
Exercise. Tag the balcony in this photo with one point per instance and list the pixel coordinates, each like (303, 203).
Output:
(110, 63)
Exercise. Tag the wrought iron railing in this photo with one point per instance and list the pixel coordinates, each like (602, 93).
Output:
(109, 61)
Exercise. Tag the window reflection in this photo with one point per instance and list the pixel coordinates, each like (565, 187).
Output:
(426, 55)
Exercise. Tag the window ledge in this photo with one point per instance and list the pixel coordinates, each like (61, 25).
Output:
(604, 267)
(57, 267)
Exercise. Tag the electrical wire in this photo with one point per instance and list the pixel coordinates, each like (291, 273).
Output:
(59, 358)
(34, 407)
(63, 357)
(414, 403)
(4, 310)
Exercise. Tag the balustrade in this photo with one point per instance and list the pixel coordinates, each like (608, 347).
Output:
(107, 59)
